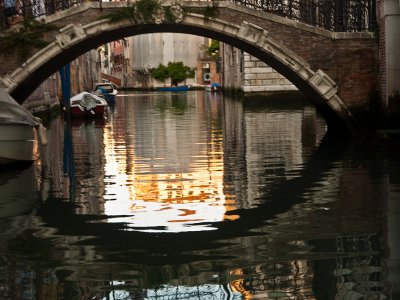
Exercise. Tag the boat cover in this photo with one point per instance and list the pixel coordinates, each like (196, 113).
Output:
(11, 112)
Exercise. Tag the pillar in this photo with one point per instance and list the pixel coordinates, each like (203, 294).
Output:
(391, 14)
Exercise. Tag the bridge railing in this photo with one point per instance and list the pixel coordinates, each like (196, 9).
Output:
(334, 15)
(14, 11)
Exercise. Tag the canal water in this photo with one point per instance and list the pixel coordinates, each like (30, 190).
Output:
(202, 196)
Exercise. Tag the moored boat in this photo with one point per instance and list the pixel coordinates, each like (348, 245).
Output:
(179, 88)
(20, 132)
(213, 87)
(87, 104)
(107, 90)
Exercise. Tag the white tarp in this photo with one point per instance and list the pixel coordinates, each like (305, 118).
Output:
(11, 112)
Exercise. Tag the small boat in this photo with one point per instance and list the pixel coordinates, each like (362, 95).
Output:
(213, 87)
(179, 88)
(20, 132)
(107, 90)
(87, 104)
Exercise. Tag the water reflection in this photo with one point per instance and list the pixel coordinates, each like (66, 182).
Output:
(194, 196)
(155, 168)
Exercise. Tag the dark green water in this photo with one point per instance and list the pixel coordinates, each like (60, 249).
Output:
(200, 196)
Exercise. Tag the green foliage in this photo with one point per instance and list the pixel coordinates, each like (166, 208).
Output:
(161, 73)
(29, 36)
(177, 71)
(169, 16)
(213, 47)
(121, 14)
(210, 12)
(146, 8)
(142, 9)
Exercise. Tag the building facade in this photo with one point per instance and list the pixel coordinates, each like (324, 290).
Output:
(149, 50)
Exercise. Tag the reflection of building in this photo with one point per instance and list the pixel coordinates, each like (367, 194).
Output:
(168, 177)
(206, 291)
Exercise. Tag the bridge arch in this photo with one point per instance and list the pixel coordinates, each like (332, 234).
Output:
(76, 39)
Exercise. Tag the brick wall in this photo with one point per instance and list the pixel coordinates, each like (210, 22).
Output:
(210, 72)
(351, 62)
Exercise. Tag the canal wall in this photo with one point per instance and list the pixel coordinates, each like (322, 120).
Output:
(85, 72)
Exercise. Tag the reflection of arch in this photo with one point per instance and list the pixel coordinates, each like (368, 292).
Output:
(76, 39)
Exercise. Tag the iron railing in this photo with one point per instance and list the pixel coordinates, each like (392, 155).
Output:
(12, 11)
(334, 15)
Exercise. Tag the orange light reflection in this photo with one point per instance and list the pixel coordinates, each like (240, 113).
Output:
(157, 199)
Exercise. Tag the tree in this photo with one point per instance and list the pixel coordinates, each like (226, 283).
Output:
(161, 73)
(214, 46)
(177, 71)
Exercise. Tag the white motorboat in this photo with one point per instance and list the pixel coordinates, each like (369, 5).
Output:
(20, 131)
(87, 104)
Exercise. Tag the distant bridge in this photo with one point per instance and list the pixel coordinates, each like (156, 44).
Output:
(337, 71)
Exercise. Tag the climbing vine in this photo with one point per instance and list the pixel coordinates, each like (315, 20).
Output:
(148, 11)
(123, 13)
(142, 77)
(210, 12)
(29, 36)
(142, 10)
(146, 8)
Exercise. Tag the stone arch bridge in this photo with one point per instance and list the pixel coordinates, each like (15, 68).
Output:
(337, 71)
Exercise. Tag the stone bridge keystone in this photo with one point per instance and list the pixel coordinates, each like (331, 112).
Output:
(70, 34)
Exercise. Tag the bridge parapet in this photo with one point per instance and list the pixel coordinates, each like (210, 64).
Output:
(346, 15)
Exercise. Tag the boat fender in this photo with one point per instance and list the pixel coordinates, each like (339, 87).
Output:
(42, 133)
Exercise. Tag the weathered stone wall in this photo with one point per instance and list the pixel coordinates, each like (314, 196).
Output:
(48, 96)
(232, 66)
(382, 52)
(389, 46)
